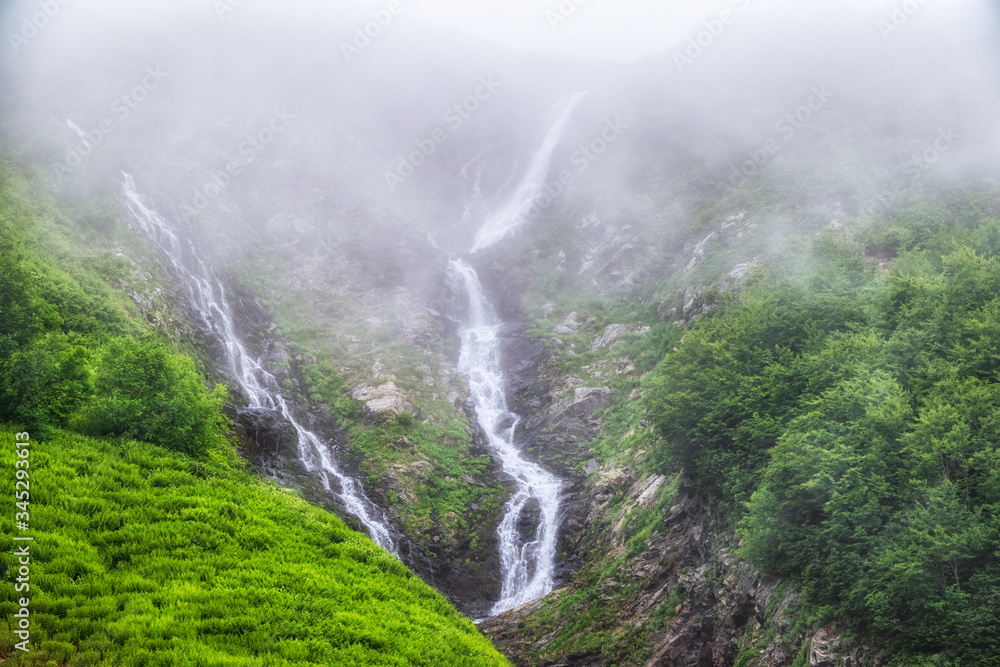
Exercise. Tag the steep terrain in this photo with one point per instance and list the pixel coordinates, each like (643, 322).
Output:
(155, 544)
(818, 382)
(743, 320)
(142, 557)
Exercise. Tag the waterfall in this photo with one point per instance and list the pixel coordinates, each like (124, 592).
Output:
(516, 209)
(527, 561)
(527, 564)
(79, 132)
(207, 298)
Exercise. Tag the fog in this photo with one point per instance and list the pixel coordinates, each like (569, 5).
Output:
(257, 122)
(395, 193)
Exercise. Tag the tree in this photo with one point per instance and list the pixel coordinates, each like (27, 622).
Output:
(43, 383)
(146, 392)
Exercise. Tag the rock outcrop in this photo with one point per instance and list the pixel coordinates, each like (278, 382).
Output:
(382, 399)
(719, 610)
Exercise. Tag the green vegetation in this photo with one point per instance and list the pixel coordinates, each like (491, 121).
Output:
(848, 419)
(167, 552)
(596, 616)
(424, 468)
(69, 355)
(144, 391)
(619, 365)
(440, 496)
(420, 463)
(142, 556)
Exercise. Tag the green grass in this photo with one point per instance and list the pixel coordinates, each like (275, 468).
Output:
(143, 556)
(440, 497)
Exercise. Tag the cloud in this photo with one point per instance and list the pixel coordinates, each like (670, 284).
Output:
(623, 30)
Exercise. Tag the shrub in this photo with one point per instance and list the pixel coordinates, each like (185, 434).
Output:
(44, 382)
(146, 392)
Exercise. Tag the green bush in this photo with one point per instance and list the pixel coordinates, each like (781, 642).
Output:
(146, 392)
(55, 308)
(45, 381)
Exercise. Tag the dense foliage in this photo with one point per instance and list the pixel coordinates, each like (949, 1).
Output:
(69, 355)
(850, 418)
(142, 556)
(144, 391)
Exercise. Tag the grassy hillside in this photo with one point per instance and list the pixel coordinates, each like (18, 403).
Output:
(142, 556)
(165, 551)
(70, 282)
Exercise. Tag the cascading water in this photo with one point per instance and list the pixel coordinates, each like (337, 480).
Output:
(207, 298)
(79, 132)
(516, 209)
(527, 565)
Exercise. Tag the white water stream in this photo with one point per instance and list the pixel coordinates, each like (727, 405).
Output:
(515, 210)
(527, 565)
(527, 562)
(207, 298)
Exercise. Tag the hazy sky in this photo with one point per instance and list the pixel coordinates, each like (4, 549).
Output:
(612, 29)
(622, 30)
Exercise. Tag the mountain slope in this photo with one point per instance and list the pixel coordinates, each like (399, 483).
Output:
(145, 557)
(809, 474)
(171, 553)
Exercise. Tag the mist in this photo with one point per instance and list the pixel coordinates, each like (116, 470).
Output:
(384, 216)
(220, 71)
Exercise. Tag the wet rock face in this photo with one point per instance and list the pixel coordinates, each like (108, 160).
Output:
(721, 606)
(523, 360)
(530, 517)
(558, 429)
(554, 429)
(264, 436)
(586, 400)
(253, 323)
